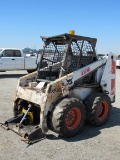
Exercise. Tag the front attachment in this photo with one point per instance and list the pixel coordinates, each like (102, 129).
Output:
(29, 133)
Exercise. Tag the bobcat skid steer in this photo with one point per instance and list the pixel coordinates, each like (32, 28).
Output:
(73, 87)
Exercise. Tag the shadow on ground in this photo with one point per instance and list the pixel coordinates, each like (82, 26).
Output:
(3, 76)
(92, 131)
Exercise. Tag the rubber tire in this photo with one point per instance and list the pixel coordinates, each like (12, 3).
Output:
(17, 109)
(58, 118)
(92, 105)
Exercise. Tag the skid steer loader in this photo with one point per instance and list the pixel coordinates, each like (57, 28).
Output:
(73, 87)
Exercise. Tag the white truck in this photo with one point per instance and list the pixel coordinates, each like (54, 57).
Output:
(14, 59)
(118, 63)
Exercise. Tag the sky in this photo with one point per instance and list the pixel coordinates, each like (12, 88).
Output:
(22, 22)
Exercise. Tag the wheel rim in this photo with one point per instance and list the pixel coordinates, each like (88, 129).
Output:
(103, 110)
(73, 118)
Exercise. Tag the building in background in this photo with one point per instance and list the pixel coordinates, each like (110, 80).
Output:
(30, 51)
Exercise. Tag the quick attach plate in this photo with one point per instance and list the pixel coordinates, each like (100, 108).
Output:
(29, 133)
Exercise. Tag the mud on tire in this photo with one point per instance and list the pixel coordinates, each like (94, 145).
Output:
(98, 109)
(68, 117)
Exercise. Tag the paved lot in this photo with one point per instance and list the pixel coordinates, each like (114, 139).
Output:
(96, 143)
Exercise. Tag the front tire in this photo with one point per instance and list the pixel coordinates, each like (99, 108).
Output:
(17, 110)
(68, 117)
(98, 109)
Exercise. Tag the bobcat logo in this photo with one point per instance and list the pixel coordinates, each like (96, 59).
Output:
(69, 81)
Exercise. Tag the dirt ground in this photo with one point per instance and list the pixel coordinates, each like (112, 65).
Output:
(96, 143)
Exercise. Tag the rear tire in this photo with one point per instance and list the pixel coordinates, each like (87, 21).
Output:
(68, 117)
(98, 109)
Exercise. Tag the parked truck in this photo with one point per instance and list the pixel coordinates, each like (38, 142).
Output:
(14, 59)
(118, 63)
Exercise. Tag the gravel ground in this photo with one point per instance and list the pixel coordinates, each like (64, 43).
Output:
(97, 143)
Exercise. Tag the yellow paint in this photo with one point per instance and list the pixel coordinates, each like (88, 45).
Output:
(30, 114)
